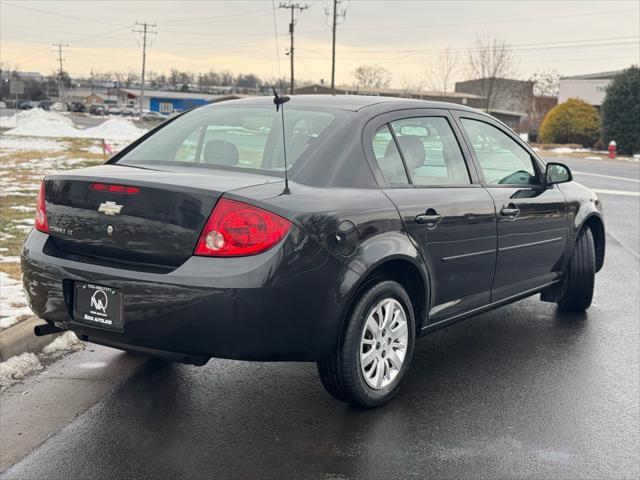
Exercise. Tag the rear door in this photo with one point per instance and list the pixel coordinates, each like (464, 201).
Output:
(532, 218)
(446, 212)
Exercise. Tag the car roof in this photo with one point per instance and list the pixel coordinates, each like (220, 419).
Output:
(349, 102)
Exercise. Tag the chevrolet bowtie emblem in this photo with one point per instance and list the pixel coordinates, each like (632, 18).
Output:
(110, 208)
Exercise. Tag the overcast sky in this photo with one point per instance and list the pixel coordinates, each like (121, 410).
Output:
(572, 37)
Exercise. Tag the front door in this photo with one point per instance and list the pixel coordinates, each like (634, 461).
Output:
(450, 219)
(532, 218)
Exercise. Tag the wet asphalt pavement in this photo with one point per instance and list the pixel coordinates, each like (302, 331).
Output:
(524, 391)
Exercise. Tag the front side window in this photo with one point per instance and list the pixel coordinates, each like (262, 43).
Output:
(431, 151)
(388, 157)
(502, 159)
(237, 137)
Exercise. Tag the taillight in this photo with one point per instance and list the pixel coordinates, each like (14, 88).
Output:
(41, 222)
(105, 187)
(236, 229)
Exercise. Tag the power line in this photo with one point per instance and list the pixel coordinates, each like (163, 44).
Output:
(293, 7)
(60, 50)
(494, 22)
(48, 12)
(144, 31)
(337, 13)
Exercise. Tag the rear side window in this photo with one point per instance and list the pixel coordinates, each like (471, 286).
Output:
(431, 151)
(502, 159)
(236, 137)
(388, 157)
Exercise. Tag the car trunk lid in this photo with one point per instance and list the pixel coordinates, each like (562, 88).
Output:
(130, 215)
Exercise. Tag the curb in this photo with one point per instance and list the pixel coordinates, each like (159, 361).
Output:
(19, 338)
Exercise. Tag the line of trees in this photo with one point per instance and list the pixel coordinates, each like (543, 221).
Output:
(488, 58)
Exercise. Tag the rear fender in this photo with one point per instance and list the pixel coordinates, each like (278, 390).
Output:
(371, 258)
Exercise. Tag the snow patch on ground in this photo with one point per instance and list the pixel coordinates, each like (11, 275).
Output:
(64, 343)
(593, 158)
(18, 367)
(13, 259)
(569, 150)
(33, 116)
(23, 208)
(13, 303)
(97, 149)
(39, 123)
(44, 165)
(17, 144)
(115, 129)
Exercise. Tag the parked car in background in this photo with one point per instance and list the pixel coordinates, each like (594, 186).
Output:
(77, 107)
(3, 105)
(114, 110)
(396, 218)
(58, 107)
(45, 104)
(128, 111)
(97, 109)
(153, 117)
(27, 105)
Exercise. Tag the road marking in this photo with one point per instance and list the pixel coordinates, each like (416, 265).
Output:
(625, 193)
(608, 176)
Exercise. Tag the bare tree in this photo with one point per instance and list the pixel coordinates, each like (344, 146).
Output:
(442, 70)
(410, 85)
(546, 83)
(125, 78)
(490, 61)
(372, 76)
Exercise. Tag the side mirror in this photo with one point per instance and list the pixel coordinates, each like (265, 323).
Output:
(557, 173)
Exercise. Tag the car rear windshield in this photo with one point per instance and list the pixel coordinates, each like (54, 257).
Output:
(243, 137)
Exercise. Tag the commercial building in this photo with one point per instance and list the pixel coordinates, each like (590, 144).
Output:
(168, 101)
(591, 88)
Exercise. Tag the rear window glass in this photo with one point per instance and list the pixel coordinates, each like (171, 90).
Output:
(236, 137)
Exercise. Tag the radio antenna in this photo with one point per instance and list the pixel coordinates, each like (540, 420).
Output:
(279, 101)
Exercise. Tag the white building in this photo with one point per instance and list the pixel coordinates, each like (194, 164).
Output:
(591, 88)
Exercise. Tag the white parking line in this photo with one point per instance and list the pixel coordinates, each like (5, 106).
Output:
(625, 193)
(608, 176)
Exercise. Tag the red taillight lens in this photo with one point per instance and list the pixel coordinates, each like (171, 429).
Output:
(104, 187)
(236, 229)
(41, 223)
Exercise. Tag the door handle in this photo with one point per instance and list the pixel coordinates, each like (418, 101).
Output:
(430, 218)
(510, 211)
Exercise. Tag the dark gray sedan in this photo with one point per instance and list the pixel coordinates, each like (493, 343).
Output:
(337, 231)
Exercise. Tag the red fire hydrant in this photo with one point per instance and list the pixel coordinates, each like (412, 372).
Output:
(612, 149)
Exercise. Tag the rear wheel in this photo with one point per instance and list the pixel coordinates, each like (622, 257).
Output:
(577, 288)
(375, 349)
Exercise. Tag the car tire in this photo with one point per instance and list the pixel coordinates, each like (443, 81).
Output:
(577, 288)
(375, 348)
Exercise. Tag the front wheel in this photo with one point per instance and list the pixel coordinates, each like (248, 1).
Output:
(577, 287)
(375, 349)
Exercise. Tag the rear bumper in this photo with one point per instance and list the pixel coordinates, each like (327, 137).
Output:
(284, 304)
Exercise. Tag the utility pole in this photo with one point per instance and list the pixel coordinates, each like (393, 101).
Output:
(337, 13)
(59, 49)
(144, 31)
(293, 7)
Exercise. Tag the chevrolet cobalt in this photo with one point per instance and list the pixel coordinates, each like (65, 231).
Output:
(334, 229)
